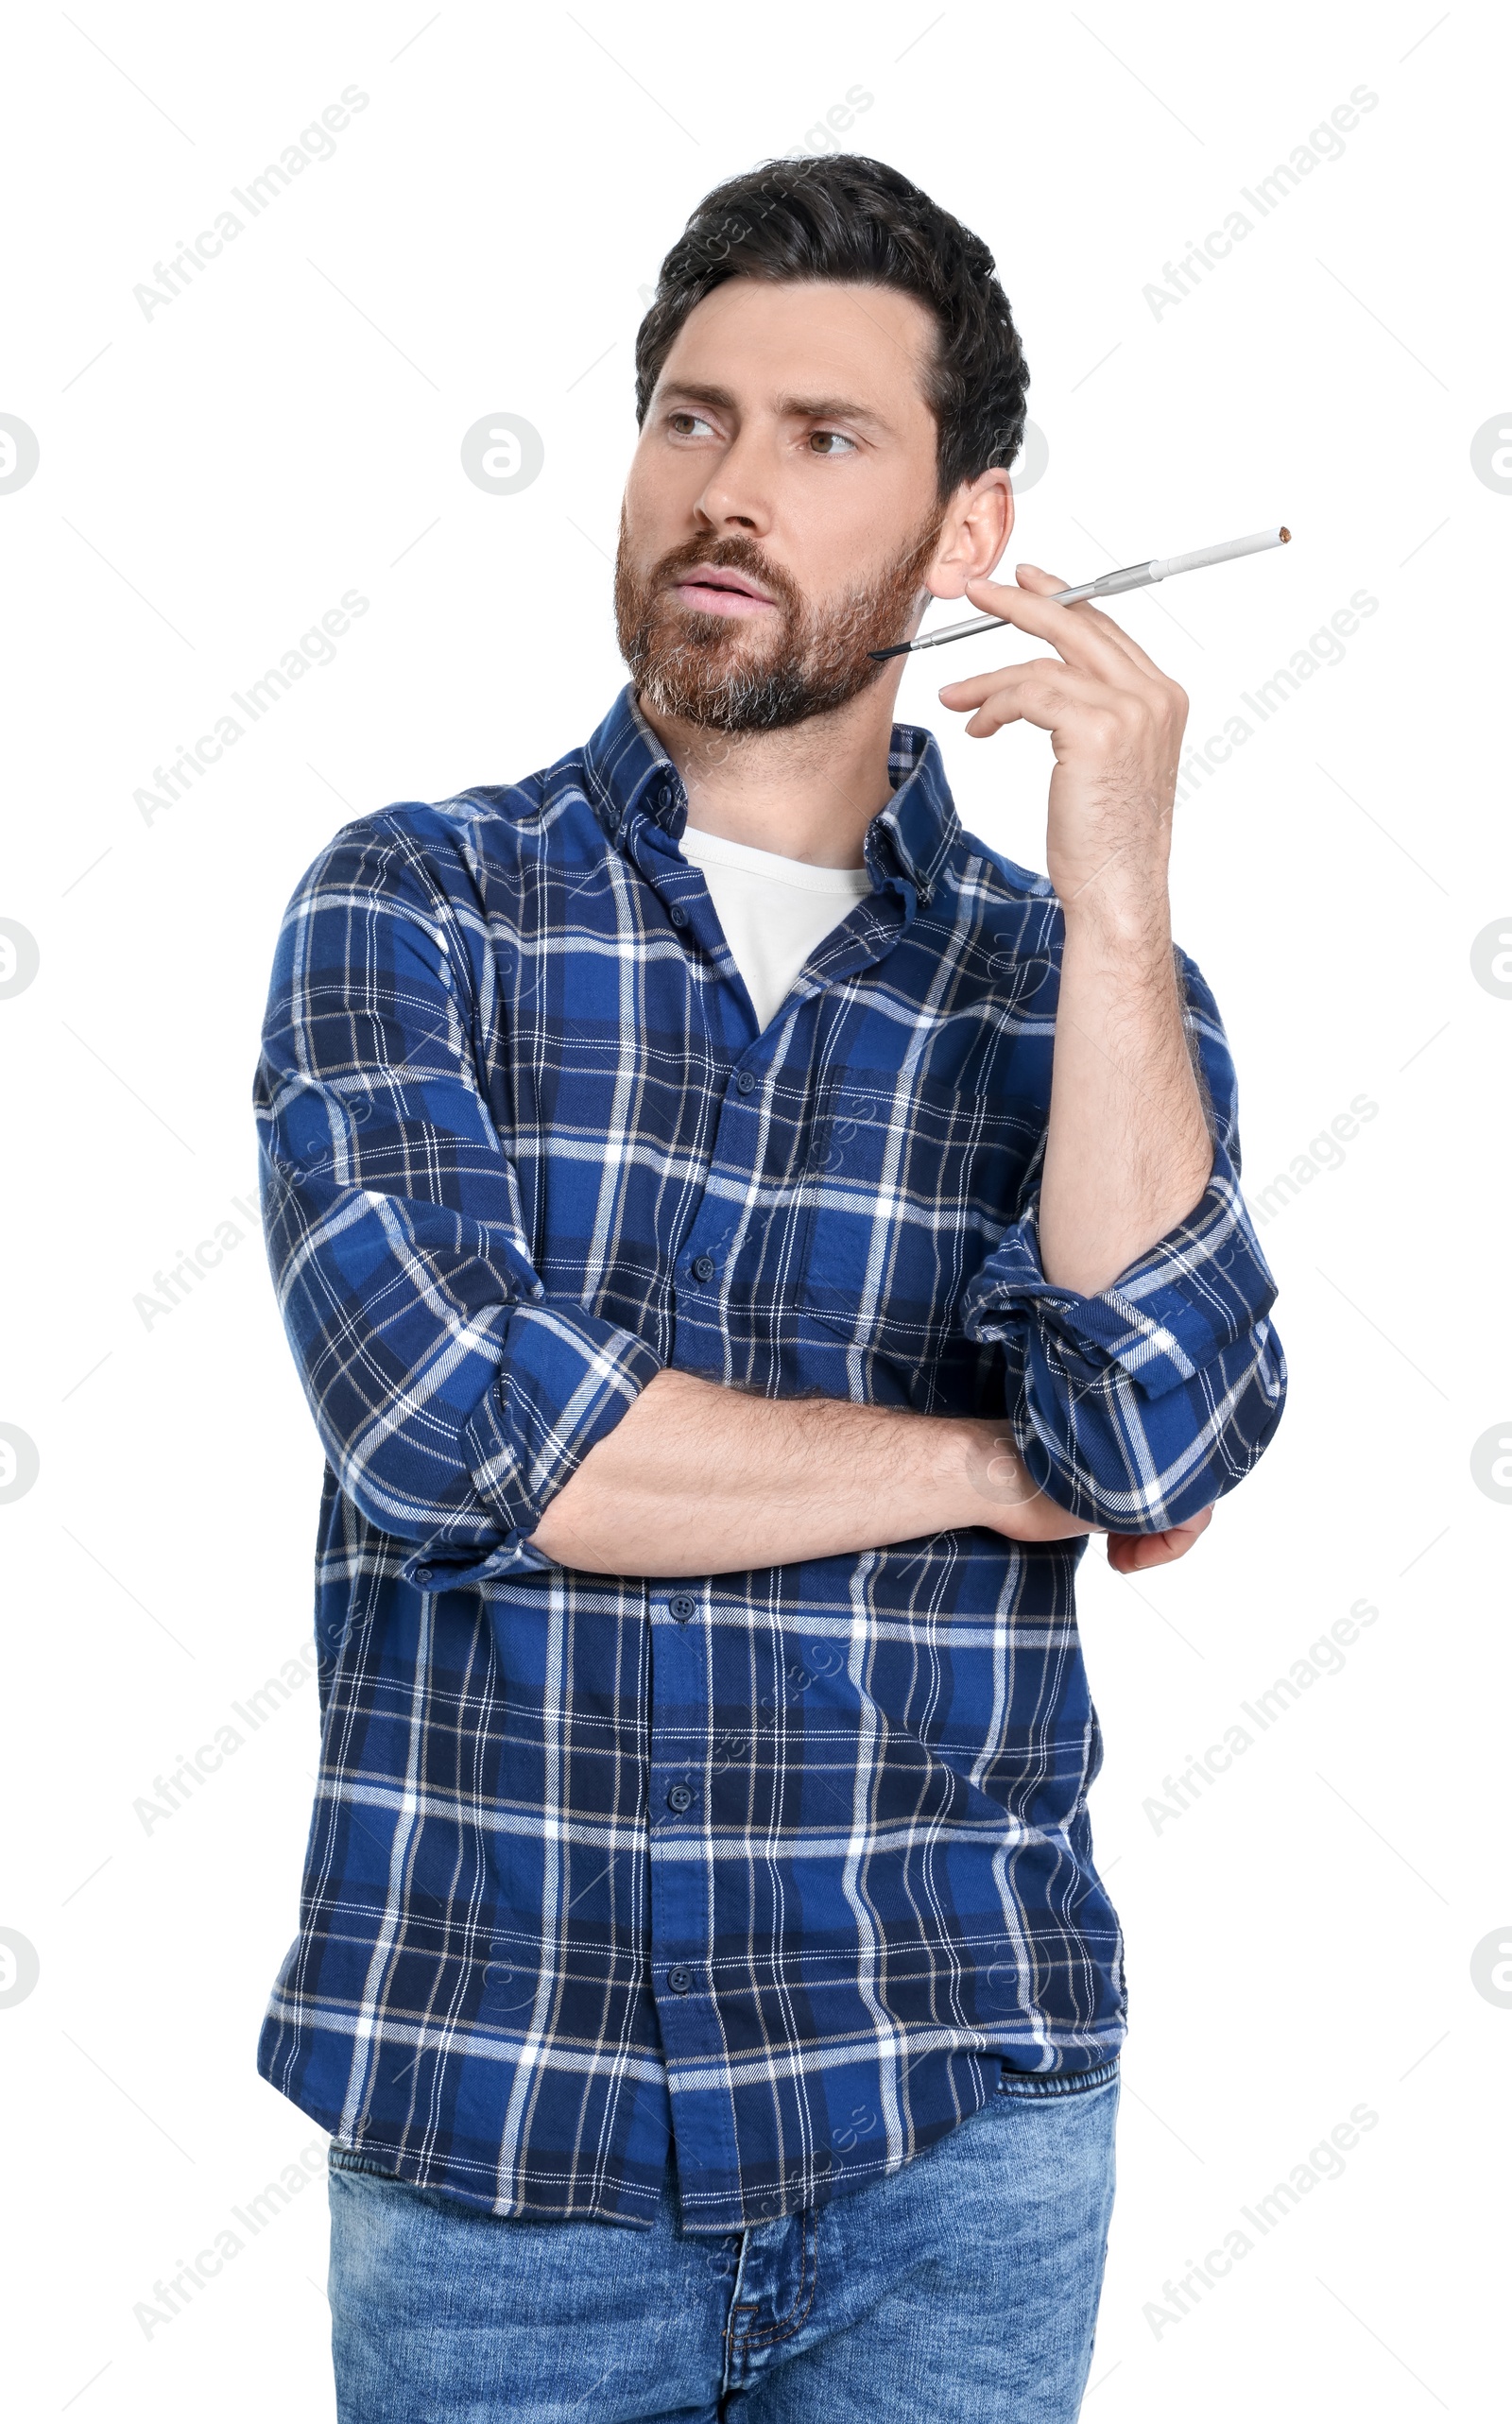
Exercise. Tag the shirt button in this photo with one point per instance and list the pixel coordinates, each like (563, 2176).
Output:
(746, 1082)
(703, 1268)
(663, 797)
(424, 1574)
(679, 1981)
(679, 1799)
(677, 914)
(683, 1607)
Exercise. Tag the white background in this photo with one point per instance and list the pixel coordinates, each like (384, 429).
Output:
(212, 479)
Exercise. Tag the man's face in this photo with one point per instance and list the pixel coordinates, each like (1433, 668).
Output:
(782, 510)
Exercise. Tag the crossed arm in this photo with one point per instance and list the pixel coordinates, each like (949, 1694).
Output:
(696, 1478)
(699, 1479)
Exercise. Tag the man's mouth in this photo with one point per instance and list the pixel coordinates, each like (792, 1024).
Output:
(710, 589)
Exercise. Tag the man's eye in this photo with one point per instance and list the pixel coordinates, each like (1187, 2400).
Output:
(686, 424)
(831, 441)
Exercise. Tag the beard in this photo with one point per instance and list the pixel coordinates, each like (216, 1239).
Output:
(717, 671)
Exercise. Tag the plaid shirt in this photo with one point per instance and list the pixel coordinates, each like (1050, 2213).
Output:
(783, 1867)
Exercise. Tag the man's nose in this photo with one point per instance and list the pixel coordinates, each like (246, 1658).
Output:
(739, 493)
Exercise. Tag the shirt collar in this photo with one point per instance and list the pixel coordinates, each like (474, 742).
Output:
(629, 773)
(919, 819)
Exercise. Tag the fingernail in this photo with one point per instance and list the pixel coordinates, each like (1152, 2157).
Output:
(1026, 568)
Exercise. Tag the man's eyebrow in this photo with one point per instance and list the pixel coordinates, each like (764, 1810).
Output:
(791, 408)
(828, 408)
(719, 399)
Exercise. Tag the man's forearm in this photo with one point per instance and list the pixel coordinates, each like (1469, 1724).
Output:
(700, 1479)
(1127, 1154)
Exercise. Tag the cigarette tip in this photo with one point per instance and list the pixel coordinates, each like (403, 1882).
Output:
(1285, 535)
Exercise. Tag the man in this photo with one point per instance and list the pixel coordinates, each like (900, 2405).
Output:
(739, 1235)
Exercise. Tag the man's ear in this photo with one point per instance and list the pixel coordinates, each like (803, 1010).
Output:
(977, 526)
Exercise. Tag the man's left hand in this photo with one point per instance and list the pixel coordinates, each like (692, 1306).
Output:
(1132, 1551)
(1115, 722)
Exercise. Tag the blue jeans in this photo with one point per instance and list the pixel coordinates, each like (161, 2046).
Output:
(964, 2287)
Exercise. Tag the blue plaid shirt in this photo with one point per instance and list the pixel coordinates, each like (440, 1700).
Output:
(781, 1866)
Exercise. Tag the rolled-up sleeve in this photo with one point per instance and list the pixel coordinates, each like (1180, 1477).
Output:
(1138, 1406)
(454, 1399)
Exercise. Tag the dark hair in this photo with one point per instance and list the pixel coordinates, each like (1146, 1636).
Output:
(853, 219)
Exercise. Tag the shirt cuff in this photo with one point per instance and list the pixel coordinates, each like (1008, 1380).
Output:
(1203, 1287)
(564, 1380)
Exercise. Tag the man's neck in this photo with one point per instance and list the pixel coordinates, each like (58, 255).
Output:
(807, 793)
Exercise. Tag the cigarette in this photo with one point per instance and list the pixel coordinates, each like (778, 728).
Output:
(1159, 568)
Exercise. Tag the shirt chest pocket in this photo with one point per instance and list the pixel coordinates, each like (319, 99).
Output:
(909, 1188)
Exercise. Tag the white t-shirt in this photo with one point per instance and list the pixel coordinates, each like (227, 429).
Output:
(774, 910)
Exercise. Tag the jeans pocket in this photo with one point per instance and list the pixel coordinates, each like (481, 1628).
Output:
(1031, 2086)
(351, 2158)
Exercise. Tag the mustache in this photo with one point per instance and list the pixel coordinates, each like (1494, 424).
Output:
(731, 554)
(712, 670)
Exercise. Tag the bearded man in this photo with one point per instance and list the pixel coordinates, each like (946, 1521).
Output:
(739, 1235)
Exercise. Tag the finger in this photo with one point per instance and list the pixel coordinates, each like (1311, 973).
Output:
(1076, 636)
(973, 688)
(1044, 692)
(1086, 612)
(1125, 1551)
(1134, 1551)
(1121, 639)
